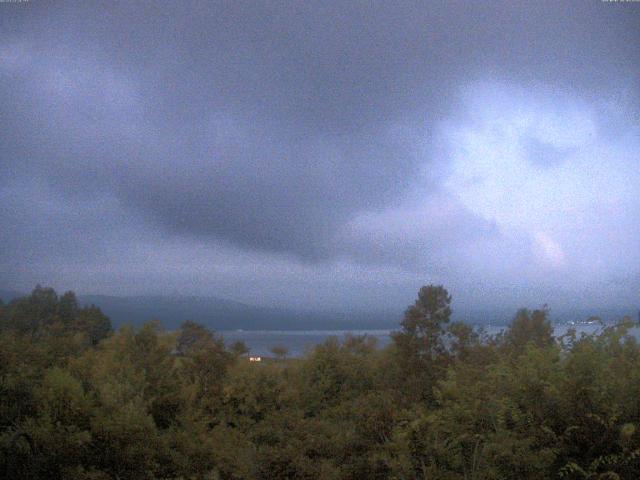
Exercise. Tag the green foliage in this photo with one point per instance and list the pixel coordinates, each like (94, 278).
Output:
(441, 402)
(280, 351)
(529, 327)
(239, 348)
(421, 350)
(45, 315)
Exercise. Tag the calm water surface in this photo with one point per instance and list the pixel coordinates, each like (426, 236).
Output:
(298, 342)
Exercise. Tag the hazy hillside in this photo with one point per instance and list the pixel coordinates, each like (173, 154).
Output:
(223, 314)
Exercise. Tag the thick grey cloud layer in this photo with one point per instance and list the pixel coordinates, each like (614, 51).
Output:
(303, 134)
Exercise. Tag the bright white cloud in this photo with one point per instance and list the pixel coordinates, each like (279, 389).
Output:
(548, 250)
(566, 210)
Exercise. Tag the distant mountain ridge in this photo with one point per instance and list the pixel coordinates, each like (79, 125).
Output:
(8, 295)
(223, 314)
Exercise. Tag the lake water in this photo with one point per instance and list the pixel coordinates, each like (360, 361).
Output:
(298, 342)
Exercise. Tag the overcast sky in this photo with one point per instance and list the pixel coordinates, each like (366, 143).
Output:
(323, 154)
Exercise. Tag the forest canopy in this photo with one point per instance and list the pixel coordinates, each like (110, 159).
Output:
(442, 401)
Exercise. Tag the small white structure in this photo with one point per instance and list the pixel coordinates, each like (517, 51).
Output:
(255, 359)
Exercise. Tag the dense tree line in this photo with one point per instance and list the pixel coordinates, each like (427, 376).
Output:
(79, 401)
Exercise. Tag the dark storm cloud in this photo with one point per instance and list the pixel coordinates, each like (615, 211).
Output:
(419, 236)
(271, 126)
